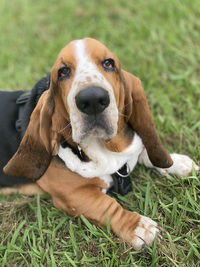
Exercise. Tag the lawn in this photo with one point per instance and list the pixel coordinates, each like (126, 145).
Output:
(156, 40)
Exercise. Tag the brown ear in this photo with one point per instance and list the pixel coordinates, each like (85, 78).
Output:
(35, 151)
(139, 117)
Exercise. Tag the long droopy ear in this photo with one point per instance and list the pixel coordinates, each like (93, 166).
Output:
(35, 151)
(139, 117)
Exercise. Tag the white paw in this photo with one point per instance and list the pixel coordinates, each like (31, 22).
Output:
(145, 233)
(182, 165)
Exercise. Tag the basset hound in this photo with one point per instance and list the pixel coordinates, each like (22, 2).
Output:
(92, 121)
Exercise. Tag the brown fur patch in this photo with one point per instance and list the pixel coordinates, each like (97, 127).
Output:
(27, 189)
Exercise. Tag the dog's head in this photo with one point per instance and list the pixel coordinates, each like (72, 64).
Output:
(88, 75)
(89, 95)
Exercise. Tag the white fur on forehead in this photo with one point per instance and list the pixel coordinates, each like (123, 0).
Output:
(87, 73)
(86, 70)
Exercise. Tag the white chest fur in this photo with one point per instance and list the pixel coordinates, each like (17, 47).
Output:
(103, 162)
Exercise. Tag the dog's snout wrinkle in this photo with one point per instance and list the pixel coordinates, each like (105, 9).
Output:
(92, 100)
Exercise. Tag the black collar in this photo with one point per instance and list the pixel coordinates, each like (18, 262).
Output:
(76, 150)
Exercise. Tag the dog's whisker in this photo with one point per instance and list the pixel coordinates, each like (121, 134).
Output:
(65, 127)
(129, 103)
(123, 115)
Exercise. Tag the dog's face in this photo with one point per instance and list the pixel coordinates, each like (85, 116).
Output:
(89, 95)
(90, 82)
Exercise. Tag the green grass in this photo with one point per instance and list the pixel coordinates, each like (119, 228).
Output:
(156, 40)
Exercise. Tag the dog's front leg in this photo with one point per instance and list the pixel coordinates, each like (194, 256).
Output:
(182, 164)
(80, 196)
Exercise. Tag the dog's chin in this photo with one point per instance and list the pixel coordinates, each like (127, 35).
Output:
(105, 134)
(100, 133)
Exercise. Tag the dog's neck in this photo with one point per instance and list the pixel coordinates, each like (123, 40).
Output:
(117, 144)
(102, 161)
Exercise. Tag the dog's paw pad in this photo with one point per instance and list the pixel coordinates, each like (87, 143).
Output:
(145, 233)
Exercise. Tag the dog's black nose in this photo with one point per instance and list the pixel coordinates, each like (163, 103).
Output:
(92, 100)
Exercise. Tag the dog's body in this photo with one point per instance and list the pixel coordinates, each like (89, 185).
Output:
(101, 114)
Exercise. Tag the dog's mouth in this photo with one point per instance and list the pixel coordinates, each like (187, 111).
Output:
(98, 126)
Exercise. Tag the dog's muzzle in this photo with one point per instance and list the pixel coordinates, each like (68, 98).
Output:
(92, 100)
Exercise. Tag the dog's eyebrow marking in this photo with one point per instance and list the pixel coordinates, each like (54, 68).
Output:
(62, 61)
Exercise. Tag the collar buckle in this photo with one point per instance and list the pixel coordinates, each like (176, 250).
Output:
(122, 181)
(124, 171)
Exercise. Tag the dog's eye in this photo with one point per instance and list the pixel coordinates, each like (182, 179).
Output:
(109, 64)
(64, 72)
